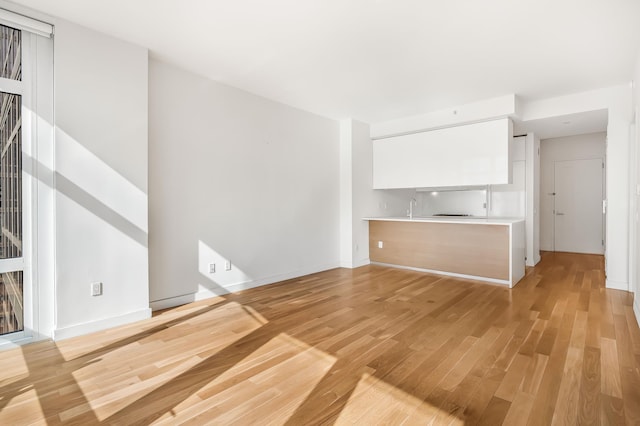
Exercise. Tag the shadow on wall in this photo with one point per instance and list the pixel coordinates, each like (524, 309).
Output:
(96, 186)
(93, 185)
(99, 219)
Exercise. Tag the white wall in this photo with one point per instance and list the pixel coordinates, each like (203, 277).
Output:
(100, 104)
(236, 177)
(509, 200)
(636, 188)
(347, 216)
(617, 190)
(580, 147)
(532, 182)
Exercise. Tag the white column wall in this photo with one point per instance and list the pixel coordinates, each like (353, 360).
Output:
(635, 179)
(617, 187)
(532, 182)
(346, 195)
(359, 200)
(100, 176)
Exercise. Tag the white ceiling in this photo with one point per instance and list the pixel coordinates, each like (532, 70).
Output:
(564, 125)
(376, 60)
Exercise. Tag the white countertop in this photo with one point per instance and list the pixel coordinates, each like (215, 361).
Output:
(447, 219)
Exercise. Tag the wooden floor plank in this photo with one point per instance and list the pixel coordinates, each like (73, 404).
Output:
(495, 412)
(612, 411)
(589, 403)
(520, 409)
(372, 345)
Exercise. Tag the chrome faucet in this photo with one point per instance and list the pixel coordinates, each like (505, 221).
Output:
(412, 203)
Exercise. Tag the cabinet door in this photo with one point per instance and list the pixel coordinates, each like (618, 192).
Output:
(474, 154)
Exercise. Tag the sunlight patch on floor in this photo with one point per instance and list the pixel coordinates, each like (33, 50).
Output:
(77, 347)
(17, 370)
(116, 379)
(25, 409)
(260, 389)
(376, 402)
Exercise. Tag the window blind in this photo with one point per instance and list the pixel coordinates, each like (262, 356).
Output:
(24, 23)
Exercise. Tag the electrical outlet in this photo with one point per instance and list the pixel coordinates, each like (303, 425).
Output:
(227, 265)
(380, 244)
(212, 268)
(96, 289)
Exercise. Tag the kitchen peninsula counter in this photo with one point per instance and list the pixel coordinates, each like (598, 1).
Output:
(451, 219)
(487, 249)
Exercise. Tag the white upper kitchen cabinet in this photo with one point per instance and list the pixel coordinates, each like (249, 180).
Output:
(472, 154)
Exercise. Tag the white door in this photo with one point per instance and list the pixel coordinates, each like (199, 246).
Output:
(578, 215)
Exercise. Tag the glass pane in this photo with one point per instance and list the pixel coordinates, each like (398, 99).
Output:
(10, 176)
(11, 311)
(11, 65)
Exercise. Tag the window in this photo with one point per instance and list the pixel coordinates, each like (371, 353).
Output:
(26, 86)
(11, 272)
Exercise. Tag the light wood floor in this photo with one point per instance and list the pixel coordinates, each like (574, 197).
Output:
(367, 346)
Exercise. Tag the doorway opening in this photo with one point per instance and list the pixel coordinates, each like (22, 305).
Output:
(573, 193)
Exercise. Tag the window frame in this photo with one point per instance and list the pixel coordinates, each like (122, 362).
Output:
(36, 91)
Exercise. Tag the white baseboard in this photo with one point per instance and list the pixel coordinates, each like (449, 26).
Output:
(617, 285)
(448, 274)
(170, 302)
(361, 262)
(102, 324)
(534, 261)
(355, 264)
(636, 307)
(207, 293)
